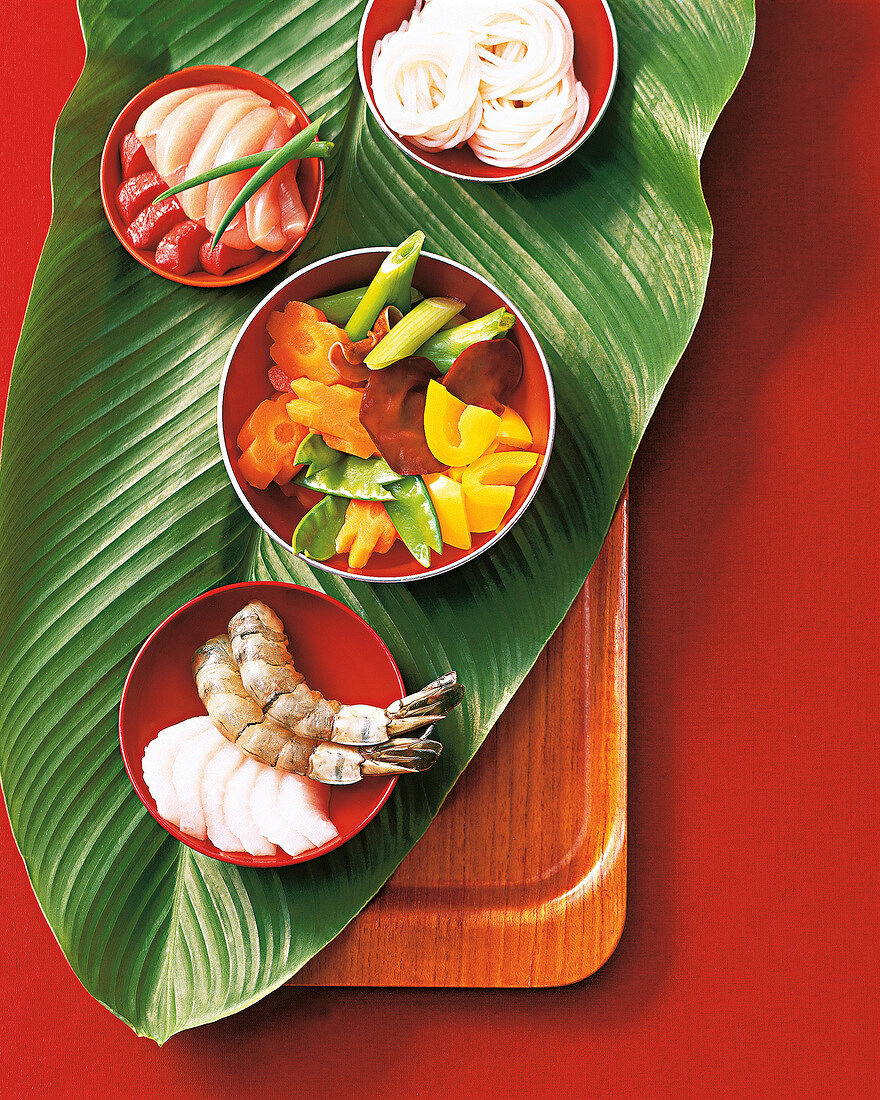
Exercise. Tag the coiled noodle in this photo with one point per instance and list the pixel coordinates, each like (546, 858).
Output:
(496, 74)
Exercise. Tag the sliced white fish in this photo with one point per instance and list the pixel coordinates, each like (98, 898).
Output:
(204, 155)
(179, 133)
(237, 807)
(303, 804)
(147, 126)
(264, 803)
(186, 773)
(223, 765)
(159, 757)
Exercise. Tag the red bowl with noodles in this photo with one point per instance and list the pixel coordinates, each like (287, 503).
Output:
(244, 384)
(309, 177)
(595, 67)
(338, 653)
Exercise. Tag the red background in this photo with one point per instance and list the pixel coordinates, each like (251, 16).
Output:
(748, 965)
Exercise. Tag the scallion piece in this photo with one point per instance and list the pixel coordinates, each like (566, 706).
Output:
(338, 308)
(291, 151)
(410, 333)
(445, 347)
(255, 160)
(390, 286)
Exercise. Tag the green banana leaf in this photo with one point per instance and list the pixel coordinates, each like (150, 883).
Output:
(116, 509)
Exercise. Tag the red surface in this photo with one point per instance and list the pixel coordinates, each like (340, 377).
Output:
(595, 65)
(345, 659)
(246, 385)
(748, 964)
(310, 175)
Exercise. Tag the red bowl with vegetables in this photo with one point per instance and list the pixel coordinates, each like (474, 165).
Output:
(486, 494)
(595, 63)
(164, 237)
(337, 652)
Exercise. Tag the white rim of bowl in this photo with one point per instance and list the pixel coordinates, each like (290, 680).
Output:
(425, 573)
(516, 176)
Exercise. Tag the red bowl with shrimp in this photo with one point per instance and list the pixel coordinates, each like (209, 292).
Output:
(309, 177)
(595, 67)
(339, 654)
(244, 384)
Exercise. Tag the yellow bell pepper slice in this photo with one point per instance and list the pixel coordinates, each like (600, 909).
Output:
(456, 433)
(513, 430)
(487, 487)
(448, 503)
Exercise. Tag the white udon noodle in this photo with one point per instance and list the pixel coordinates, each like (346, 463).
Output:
(496, 74)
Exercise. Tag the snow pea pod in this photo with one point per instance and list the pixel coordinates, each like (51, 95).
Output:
(350, 476)
(413, 515)
(314, 453)
(315, 534)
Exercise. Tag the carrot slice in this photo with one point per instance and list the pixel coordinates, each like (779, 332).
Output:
(331, 411)
(367, 528)
(302, 338)
(268, 441)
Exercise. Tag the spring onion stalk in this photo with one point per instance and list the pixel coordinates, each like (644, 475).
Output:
(410, 333)
(390, 286)
(338, 308)
(291, 151)
(445, 346)
(255, 160)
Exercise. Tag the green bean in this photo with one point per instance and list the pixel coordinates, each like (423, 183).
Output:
(255, 160)
(409, 334)
(390, 286)
(291, 151)
(445, 346)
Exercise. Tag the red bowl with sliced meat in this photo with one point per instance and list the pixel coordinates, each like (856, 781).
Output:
(165, 240)
(245, 384)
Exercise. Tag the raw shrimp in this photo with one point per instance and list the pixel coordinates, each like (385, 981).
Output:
(259, 646)
(240, 718)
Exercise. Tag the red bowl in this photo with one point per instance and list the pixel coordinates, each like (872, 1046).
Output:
(337, 652)
(309, 178)
(244, 384)
(595, 65)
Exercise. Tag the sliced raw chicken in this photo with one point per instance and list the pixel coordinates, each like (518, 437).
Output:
(237, 807)
(147, 126)
(303, 804)
(264, 803)
(293, 213)
(186, 773)
(263, 211)
(246, 137)
(181, 130)
(205, 153)
(226, 761)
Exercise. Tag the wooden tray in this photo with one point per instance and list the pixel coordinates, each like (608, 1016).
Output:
(521, 879)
